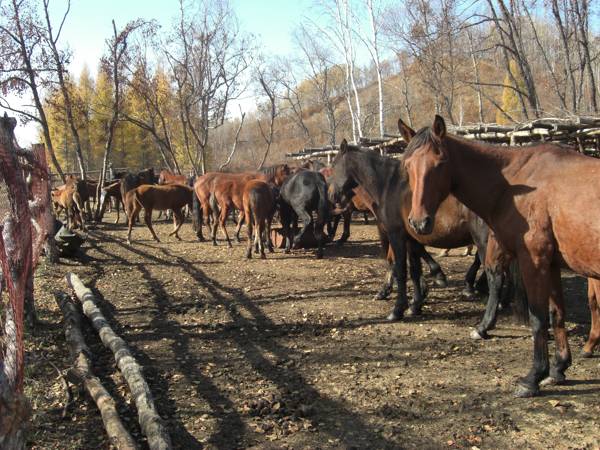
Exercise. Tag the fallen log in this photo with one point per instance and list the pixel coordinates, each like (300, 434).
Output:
(81, 373)
(151, 423)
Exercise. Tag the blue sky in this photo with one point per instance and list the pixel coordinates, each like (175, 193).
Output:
(89, 22)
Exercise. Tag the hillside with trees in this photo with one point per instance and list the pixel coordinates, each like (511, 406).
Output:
(170, 98)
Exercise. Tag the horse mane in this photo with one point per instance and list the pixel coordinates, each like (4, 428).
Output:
(422, 137)
(271, 170)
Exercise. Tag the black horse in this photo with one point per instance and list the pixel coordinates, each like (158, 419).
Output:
(385, 180)
(302, 194)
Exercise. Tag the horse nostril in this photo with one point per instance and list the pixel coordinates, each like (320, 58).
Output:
(426, 222)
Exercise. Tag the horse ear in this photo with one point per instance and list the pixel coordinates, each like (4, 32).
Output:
(407, 132)
(344, 146)
(439, 127)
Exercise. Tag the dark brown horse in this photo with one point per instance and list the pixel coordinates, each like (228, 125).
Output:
(112, 191)
(161, 198)
(259, 206)
(536, 200)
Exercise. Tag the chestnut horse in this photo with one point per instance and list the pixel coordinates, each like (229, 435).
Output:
(151, 197)
(385, 181)
(168, 177)
(68, 198)
(228, 189)
(259, 207)
(536, 200)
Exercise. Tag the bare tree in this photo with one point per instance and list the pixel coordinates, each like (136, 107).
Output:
(374, 49)
(208, 56)
(114, 62)
(294, 99)
(235, 140)
(269, 81)
(60, 61)
(25, 68)
(321, 74)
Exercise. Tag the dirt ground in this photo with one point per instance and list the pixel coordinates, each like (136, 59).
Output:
(292, 352)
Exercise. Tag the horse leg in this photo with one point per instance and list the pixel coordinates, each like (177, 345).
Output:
(318, 232)
(249, 229)
(471, 277)
(562, 355)
(239, 226)
(332, 227)
(148, 220)
(259, 235)
(538, 283)
(366, 217)
(435, 270)
(269, 240)
(177, 223)
(398, 244)
(117, 208)
(215, 225)
(306, 220)
(417, 280)
(347, 216)
(131, 216)
(387, 286)
(594, 337)
(496, 263)
(223, 223)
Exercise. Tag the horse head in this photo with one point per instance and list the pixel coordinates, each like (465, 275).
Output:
(425, 161)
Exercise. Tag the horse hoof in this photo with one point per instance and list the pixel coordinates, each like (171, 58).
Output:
(477, 336)
(585, 354)
(468, 293)
(524, 391)
(319, 255)
(549, 381)
(394, 317)
(263, 256)
(382, 295)
(441, 282)
(414, 312)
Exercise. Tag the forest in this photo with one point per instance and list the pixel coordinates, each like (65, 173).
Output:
(171, 97)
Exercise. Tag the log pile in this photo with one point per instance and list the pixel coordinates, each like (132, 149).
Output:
(151, 423)
(582, 133)
(81, 374)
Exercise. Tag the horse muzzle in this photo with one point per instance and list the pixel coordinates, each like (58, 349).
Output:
(421, 226)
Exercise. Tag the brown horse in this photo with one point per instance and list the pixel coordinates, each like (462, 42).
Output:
(203, 188)
(259, 207)
(228, 189)
(168, 177)
(67, 198)
(536, 200)
(151, 197)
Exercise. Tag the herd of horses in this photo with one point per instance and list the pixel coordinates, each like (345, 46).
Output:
(525, 204)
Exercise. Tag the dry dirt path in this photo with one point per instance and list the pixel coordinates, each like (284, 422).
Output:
(292, 352)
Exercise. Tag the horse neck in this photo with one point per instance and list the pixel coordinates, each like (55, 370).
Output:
(369, 171)
(478, 174)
